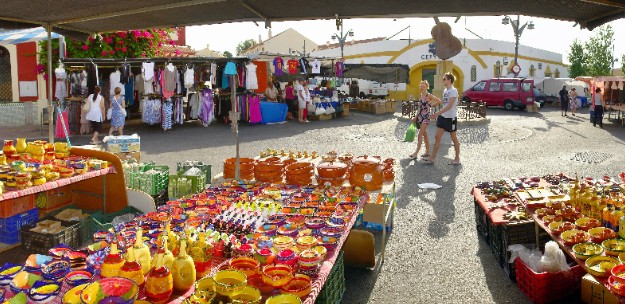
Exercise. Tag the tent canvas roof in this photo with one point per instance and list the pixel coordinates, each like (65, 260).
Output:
(76, 19)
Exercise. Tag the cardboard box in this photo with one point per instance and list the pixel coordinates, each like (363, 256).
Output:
(129, 155)
(391, 106)
(345, 110)
(324, 116)
(49, 224)
(377, 108)
(593, 292)
(11, 207)
(123, 143)
(532, 108)
(374, 212)
(53, 199)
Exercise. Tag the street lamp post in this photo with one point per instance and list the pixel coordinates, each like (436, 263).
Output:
(518, 31)
(342, 37)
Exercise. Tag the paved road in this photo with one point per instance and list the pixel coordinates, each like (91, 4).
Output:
(433, 254)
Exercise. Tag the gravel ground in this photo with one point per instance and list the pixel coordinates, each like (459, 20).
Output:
(433, 254)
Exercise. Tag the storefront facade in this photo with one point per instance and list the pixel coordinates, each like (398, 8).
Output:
(479, 59)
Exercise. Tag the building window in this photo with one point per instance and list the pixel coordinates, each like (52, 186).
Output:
(473, 73)
(532, 71)
(540, 65)
(548, 71)
(6, 93)
(556, 74)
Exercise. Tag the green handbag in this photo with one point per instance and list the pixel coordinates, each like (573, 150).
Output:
(411, 132)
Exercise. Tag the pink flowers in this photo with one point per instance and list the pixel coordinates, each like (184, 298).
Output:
(104, 53)
(85, 47)
(124, 49)
(178, 52)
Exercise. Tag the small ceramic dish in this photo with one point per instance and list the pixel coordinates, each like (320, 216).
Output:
(44, 292)
(614, 247)
(584, 251)
(229, 282)
(600, 266)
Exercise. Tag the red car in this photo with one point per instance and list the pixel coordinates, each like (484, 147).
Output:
(509, 93)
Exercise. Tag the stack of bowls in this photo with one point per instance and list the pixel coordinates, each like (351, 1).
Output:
(269, 170)
(299, 174)
(246, 168)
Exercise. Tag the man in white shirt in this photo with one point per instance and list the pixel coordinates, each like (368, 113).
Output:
(447, 120)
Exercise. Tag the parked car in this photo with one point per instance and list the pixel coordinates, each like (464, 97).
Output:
(509, 93)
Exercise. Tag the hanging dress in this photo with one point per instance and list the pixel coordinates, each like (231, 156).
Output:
(251, 82)
(168, 112)
(147, 69)
(61, 89)
(206, 112)
(254, 108)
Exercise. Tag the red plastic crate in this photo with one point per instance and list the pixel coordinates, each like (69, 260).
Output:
(547, 287)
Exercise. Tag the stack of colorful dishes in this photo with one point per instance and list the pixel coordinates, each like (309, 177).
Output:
(299, 174)
(269, 170)
(246, 168)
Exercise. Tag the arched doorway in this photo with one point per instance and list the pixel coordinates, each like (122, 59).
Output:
(6, 93)
(425, 71)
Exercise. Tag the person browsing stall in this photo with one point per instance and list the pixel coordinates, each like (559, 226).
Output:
(447, 120)
(96, 115)
(426, 100)
(271, 92)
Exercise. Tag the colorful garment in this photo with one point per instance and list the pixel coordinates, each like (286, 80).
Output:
(168, 112)
(340, 66)
(251, 82)
(118, 119)
(206, 112)
(61, 89)
(303, 63)
(254, 107)
(278, 64)
(423, 117)
(293, 64)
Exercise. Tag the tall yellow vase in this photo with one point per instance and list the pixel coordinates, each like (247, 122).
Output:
(113, 262)
(183, 270)
(142, 252)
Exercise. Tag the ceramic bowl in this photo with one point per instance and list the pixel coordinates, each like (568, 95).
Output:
(55, 270)
(614, 247)
(584, 251)
(44, 292)
(229, 282)
(277, 275)
(246, 265)
(616, 287)
(284, 299)
(113, 290)
(282, 242)
(249, 295)
(72, 296)
(618, 272)
(299, 286)
(7, 272)
(574, 236)
(600, 234)
(328, 242)
(600, 266)
(78, 277)
(586, 223)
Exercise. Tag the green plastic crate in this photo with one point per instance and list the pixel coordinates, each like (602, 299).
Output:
(179, 187)
(153, 180)
(182, 167)
(198, 182)
(101, 221)
(334, 288)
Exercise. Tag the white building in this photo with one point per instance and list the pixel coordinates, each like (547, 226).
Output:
(289, 41)
(477, 61)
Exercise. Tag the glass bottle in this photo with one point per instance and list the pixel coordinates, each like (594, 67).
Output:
(132, 269)
(142, 252)
(574, 194)
(595, 204)
(113, 262)
(159, 283)
(606, 215)
(183, 271)
(615, 219)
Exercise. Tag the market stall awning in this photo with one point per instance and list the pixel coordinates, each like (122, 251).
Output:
(25, 35)
(385, 73)
(74, 18)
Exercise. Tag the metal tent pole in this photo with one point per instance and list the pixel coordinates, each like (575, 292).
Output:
(50, 107)
(234, 116)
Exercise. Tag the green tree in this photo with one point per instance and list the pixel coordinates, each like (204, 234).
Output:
(578, 59)
(600, 54)
(623, 64)
(244, 45)
(228, 54)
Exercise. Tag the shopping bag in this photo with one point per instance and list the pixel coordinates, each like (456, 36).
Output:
(411, 132)
(62, 121)
(109, 114)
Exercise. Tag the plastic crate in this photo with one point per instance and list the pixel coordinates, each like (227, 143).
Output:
(42, 242)
(11, 207)
(334, 288)
(13, 224)
(198, 182)
(494, 241)
(10, 238)
(101, 221)
(509, 267)
(84, 232)
(179, 187)
(481, 222)
(547, 287)
(182, 167)
(152, 180)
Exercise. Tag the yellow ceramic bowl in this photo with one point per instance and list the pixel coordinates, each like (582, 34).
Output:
(621, 257)
(73, 295)
(614, 246)
(229, 282)
(249, 295)
(284, 299)
(574, 236)
(584, 251)
(282, 242)
(600, 266)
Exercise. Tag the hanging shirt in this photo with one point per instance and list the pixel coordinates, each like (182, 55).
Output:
(316, 67)
(251, 82)
(125, 73)
(115, 82)
(293, 64)
(303, 63)
(340, 66)
(278, 64)
(213, 76)
(189, 78)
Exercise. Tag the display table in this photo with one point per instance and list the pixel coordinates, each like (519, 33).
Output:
(273, 112)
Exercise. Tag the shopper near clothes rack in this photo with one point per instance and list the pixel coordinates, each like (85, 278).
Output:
(291, 100)
(276, 84)
(303, 98)
(95, 115)
(118, 118)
